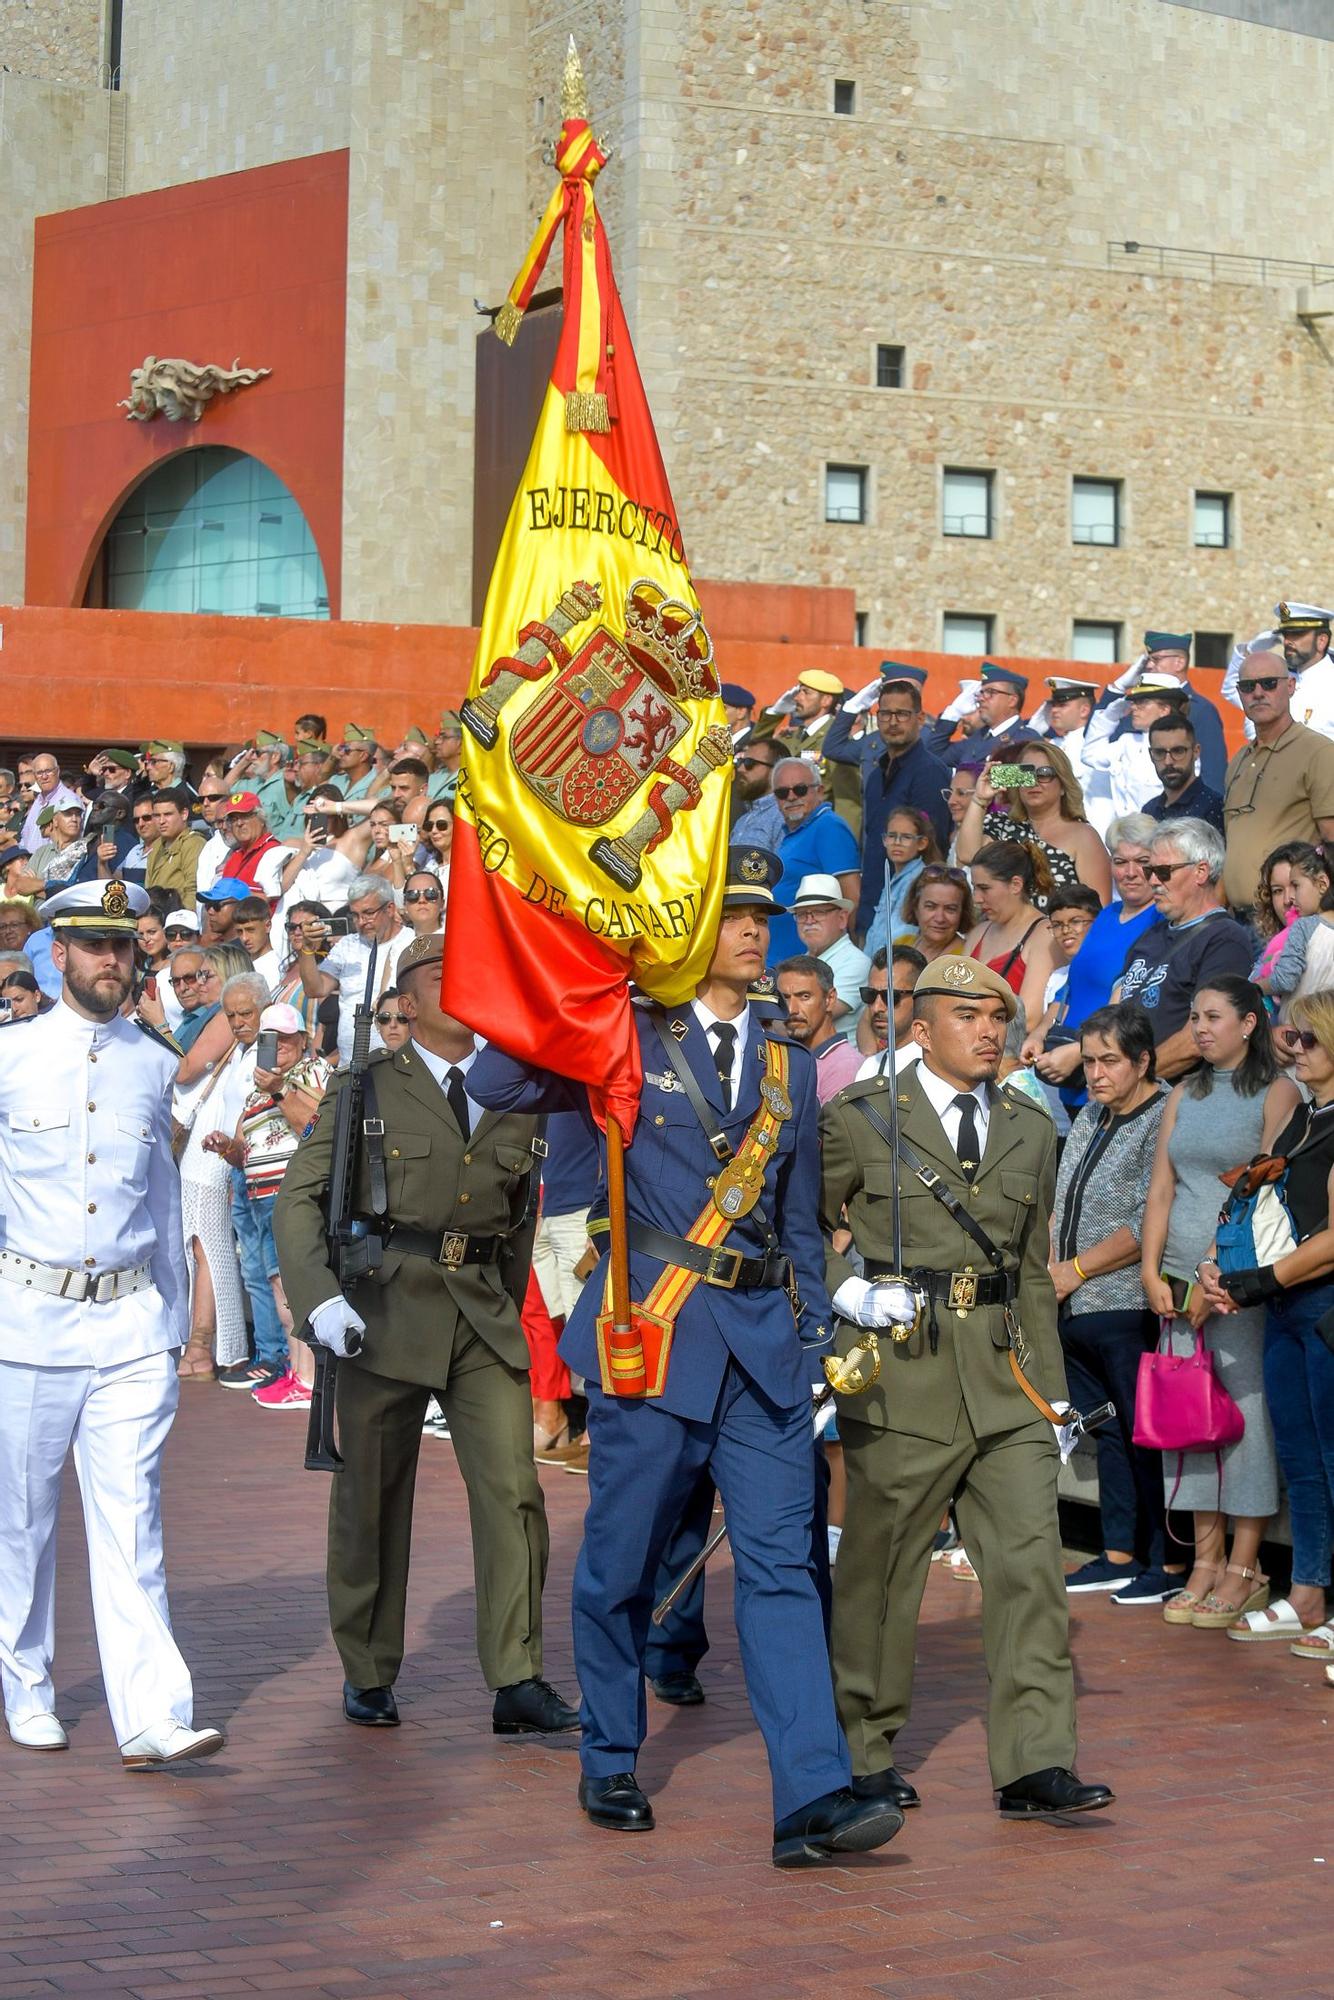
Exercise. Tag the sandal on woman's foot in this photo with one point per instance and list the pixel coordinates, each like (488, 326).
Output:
(1222, 1606)
(1178, 1608)
(1316, 1642)
(196, 1362)
(1280, 1621)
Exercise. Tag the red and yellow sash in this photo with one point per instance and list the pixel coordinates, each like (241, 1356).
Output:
(637, 1366)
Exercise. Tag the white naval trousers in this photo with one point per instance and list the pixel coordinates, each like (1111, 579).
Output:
(560, 1242)
(117, 1420)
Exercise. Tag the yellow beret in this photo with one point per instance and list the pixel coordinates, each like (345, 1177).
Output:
(821, 682)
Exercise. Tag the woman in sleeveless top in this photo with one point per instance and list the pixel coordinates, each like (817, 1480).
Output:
(1218, 1118)
(1013, 937)
(1047, 816)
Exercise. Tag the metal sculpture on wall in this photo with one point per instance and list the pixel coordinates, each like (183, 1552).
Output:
(179, 389)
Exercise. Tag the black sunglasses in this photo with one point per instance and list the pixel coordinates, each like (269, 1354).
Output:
(792, 791)
(873, 994)
(421, 895)
(753, 764)
(399, 1020)
(1041, 770)
(437, 826)
(1266, 681)
(1163, 871)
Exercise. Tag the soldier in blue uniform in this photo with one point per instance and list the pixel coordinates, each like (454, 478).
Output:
(736, 1399)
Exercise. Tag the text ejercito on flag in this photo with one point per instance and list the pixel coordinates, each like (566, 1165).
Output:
(590, 844)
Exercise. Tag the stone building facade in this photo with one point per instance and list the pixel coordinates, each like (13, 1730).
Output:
(894, 239)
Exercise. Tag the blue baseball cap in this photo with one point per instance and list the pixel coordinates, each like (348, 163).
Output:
(227, 889)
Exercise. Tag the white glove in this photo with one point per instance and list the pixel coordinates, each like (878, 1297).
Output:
(785, 702)
(865, 698)
(1264, 642)
(867, 1302)
(338, 1327)
(1130, 676)
(964, 703)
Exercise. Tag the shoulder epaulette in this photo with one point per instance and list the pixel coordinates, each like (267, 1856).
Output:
(1016, 1096)
(161, 1036)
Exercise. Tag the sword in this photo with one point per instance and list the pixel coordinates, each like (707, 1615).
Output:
(716, 1540)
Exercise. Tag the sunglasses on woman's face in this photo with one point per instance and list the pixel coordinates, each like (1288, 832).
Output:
(421, 895)
(1298, 1038)
(438, 825)
(395, 1020)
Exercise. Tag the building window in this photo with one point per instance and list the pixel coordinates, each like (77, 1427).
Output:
(1096, 512)
(888, 367)
(1213, 650)
(845, 493)
(845, 97)
(1097, 641)
(859, 628)
(966, 504)
(1213, 520)
(212, 530)
(966, 632)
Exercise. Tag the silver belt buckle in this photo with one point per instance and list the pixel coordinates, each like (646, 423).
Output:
(963, 1291)
(453, 1250)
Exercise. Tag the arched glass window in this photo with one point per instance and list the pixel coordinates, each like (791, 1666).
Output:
(214, 530)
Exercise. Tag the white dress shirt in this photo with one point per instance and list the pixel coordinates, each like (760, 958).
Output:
(87, 1183)
(904, 1059)
(940, 1095)
(708, 1020)
(440, 1066)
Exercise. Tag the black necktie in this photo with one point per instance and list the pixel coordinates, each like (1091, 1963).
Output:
(724, 1040)
(968, 1146)
(458, 1100)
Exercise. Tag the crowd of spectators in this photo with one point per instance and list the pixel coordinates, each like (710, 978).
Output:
(1164, 914)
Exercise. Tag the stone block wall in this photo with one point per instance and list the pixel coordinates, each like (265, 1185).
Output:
(54, 41)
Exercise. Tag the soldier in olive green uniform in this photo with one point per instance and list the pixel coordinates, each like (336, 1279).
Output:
(947, 1421)
(440, 1315)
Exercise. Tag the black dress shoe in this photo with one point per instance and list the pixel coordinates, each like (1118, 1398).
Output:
(375, 1707)
(838, 1823)
(1055, 1790)
(681, 1690)
(616, 1802)
(890, 1784)
(531, 1708)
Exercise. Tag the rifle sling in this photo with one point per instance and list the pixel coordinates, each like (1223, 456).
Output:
(956, 1211)
(372, 1128)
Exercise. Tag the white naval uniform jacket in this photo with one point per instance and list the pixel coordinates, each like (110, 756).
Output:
(88, 1183)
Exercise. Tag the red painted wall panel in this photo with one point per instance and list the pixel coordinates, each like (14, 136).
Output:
(250, 265)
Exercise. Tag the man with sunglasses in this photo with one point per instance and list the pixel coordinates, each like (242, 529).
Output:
(889, 985)
(1193, 942)
(210, 805)
(1303, 633)
(1280, 786)
(816, 841)
(134, 866)
(756, 819)
(354, 762)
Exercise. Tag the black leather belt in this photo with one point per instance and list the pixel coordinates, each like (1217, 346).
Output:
(719, 1266)
(452, 1250)
(960, 1289)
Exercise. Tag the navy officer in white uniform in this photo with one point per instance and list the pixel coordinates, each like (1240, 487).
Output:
(93, 1307)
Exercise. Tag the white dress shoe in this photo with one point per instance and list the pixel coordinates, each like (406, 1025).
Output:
(39, 1732)
(167, 1743)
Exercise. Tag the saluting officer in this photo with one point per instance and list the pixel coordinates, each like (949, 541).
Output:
(727, 1103)
(93, 1307)
(441, 1317)
(948, 1419)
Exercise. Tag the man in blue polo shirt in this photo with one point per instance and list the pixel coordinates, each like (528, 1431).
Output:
(897, 769)
(817, 842)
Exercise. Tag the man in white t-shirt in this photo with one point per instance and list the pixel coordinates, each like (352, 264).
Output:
(890, 987)
(374, 913)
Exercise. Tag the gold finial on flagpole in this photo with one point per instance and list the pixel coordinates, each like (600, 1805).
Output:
(573, 89)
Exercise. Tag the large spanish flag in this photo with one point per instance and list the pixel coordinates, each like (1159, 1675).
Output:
(590, 843)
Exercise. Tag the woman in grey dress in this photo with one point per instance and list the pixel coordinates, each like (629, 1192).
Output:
(1217, 1118)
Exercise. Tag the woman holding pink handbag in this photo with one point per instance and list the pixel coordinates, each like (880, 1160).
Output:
(1217, 1118)
(1297, 1292)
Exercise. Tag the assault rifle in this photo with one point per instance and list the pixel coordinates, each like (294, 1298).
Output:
(355, 1247)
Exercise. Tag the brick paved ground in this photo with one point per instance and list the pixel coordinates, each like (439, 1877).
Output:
(314, 1858)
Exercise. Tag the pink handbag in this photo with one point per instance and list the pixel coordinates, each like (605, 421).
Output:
(1180, 1404)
